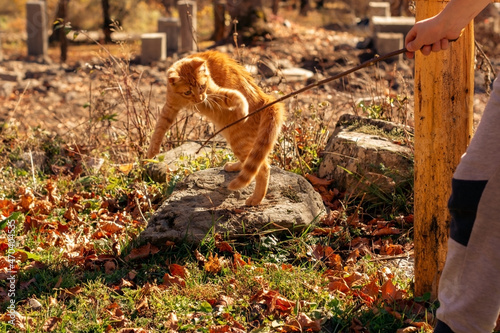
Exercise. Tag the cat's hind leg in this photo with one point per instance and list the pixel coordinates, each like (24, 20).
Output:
(261, 185)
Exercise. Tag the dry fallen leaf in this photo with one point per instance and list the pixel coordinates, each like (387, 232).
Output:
(178, 270)
(169, 280)
(51, 324)
(386, 231)
(338, 284)
(213, 264)
(303, 323)
(142, 252)
(109, 267)
(172, 323)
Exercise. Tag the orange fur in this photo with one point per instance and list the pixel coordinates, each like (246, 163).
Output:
(218, 87)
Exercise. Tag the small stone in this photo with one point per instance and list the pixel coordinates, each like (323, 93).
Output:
(35, 304)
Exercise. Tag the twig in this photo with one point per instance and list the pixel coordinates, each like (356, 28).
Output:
(399, 256)
(312, 85)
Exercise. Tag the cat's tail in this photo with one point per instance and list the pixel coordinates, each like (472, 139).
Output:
(269, 128)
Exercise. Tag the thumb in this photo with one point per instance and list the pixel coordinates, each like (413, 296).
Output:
(412, 47)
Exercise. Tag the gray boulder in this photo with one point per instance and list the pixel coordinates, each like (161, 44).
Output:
(365, 153)
(201, 204)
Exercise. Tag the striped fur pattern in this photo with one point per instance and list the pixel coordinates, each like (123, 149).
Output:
(218, 87)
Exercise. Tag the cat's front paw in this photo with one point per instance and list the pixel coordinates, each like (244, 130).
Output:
(232, 166)
(242, 109)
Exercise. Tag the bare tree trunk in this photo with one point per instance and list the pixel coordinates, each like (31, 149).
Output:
(106, 25)
(304, 7)
(59, 31)
(276, 6)
(249, 19)
(63, 9)
(219, 20)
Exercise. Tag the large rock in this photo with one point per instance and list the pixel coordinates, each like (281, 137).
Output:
(202, 204)
(361, 155)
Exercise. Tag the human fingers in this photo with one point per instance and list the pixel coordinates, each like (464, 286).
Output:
(426, 50)
(410, 40)
(445, 43)
(436, 47)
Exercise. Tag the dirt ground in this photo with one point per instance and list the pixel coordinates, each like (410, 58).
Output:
(94, 91)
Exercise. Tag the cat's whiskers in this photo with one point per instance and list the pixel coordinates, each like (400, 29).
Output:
(211, 103)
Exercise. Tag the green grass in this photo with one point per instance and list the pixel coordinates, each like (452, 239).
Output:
(78, 269)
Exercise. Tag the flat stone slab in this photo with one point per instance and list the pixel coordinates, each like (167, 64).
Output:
(201, 204)
(401, 24)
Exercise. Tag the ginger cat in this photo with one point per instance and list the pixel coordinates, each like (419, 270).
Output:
(218, 87)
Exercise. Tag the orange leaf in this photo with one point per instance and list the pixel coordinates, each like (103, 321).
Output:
(178, 270)
(213, 264)
(331, 217)
(316, 182)
(111, 227)
(339, 284)
(356, 276)
(238, 261)
(304, 324)
(142, 252)
(371, 289)
(220, 329)
(224, 247)
(389, 291)
(318, 252)
(391, 249)
(353, 256)
(333, 260)
(325, 231)
(51, 324)
(386, 231)
(169, 280)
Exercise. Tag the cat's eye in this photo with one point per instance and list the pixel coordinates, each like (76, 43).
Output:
(187, 93)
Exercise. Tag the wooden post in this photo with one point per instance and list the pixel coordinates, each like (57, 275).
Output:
(444, 88)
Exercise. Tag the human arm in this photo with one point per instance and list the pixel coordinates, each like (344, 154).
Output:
(433, 34)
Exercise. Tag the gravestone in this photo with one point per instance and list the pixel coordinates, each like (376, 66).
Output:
(187, 15)
(36, 28)
(153, 47)
(386, 42)
(170, 26)
(379, 8)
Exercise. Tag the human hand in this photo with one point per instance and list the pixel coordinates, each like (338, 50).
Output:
(428, 36)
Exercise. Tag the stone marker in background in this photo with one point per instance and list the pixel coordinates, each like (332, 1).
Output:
(379, 8)
(153, 47)
(36, 28)
(187, 15)
(170, 26)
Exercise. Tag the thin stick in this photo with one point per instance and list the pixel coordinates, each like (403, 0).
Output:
(310, 86)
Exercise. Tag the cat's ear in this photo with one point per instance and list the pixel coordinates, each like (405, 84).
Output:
(172, 76)
(199, 64)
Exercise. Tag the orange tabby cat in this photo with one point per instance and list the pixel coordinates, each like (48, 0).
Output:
(218, 87)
